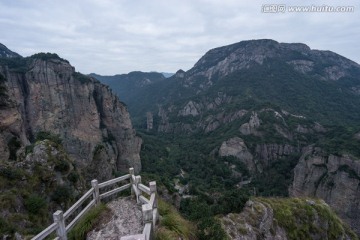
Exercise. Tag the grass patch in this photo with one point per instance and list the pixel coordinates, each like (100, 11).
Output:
(87, 223)
(172, 224)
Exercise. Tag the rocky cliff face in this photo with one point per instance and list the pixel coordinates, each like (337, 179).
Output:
(275, 219)
(335, 179)
(48, 95)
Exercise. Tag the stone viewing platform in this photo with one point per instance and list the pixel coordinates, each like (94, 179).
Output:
(124, 219)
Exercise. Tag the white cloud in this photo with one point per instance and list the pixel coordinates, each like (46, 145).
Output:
(110, 37)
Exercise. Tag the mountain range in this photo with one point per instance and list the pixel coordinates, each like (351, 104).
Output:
(284, 118)
(249, 122)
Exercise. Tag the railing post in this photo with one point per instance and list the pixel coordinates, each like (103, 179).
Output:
(148, 220)
(95, 185)
(153, 190)
(132, 172)
(147, 213)
(60, 221)
(137, 182)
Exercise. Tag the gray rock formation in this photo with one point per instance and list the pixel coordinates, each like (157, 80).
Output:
(149, 121)
(236, 147)
(332, 178)
(50, 96)
(250, 127)
(253, 223)
(190, 108)
(270, 152)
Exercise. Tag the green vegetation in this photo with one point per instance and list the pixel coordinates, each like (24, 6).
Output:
(83, 79)
(29, 207)
(172, 225)
(340, 140)
(62, 194)
(21, 65)
(3, 91)
(87, 222)
(352, 173)
(126, 85)
(6, 227)
(47, 56)
(34, 204)
(299, 218)
(275, 179)
(210, 229)
(42, 135)
(14, 144)
(18, 64)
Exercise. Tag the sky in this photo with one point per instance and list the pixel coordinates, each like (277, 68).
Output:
(111, 37)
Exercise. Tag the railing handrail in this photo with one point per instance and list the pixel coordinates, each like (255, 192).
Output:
(149, 207)
(78, 203)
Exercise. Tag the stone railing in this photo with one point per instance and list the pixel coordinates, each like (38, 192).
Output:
(149, 207)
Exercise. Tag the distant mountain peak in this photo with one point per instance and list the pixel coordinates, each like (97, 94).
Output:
(7, 53)
(246, 54)
(180, 73)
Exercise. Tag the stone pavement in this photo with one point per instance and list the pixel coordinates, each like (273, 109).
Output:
(126, 219)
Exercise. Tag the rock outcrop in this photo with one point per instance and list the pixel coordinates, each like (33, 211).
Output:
(335, 179)
(48, 95)
(275, 219)
(250, 127)
(236, 147)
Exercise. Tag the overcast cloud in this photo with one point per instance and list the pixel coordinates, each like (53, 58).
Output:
(117, 36)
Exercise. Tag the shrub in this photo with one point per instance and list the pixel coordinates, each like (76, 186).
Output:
(62, 166)
(210, 229)
(47, 56)
(42, 135)
(6, 227)
(34, 204)
(73, 177)
(13, 145)
(81, 78)
(62, 194)
(10, 173)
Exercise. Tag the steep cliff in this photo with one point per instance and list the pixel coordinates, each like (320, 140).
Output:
(333, 178)
(46, 94)
(58, 130)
